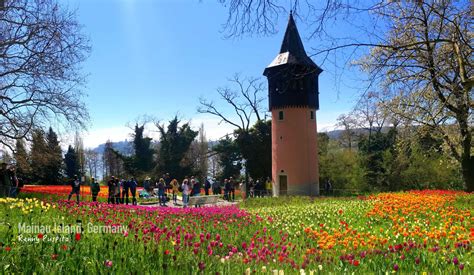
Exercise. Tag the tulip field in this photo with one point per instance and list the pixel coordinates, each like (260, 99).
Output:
(429, 231)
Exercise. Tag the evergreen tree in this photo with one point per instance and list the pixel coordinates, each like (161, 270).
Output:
(230, 159)
(39, 157)
(53, 154)
(372, 150)
(72, 162)
(81, 157)
(23, 166)
(175, 141)
(143, 158)
(202, 157)
(114, 163)
(256, 148)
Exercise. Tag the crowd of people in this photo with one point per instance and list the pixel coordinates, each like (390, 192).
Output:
(166, 189)
(120, 190)
(169, 189)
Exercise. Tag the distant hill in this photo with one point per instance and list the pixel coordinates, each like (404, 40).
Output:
(123, 147)
(336, 134)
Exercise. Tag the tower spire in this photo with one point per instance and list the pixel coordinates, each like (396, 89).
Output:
(292, 50)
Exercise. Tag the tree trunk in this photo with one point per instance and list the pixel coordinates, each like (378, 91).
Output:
(467, 167)
(467, 161)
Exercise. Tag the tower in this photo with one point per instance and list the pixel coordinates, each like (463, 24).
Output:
(293, 101)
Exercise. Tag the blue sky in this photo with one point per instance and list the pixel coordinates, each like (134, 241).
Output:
(158, 58)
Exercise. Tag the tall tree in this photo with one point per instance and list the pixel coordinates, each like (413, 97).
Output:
(427, 72)
(256, 148)
(81, 158)
(230, 159)
(245, 99)
(39, 159)
(22, 159)
(175, 141)
(144, 153)
(93, 162)
(203, 149)
(113, 162)
(349, 124)
(41, 50)
(372, 149)
(71, 162)
(54, 158)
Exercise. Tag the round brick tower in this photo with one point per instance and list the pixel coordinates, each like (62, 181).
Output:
(293, 102)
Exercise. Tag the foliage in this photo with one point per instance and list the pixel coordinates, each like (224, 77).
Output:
(341, 166)
(38, 157)
(113, 162)
(230, 159)
(143, 151)
(22, 159)
(372, 149)
(175, 141)
(255, 146)
(41, 50)
(71, 162)
(54, 159)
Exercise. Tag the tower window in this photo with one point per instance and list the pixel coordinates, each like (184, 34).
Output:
(311, 114)
(280, 115)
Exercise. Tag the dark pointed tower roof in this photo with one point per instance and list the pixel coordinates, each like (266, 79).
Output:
(292, 50)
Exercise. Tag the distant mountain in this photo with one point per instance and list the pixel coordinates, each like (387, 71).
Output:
(336, 134)
(123, 147)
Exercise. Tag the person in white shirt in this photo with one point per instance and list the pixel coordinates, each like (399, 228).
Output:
(186, 192)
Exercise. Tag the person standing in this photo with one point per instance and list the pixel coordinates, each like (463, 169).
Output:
(167, 179)
(232, 188)
(175, 190)
(216, 187)
(328, 187)
(268, 187)
(161, 191)
(95, 189)
(117, 191)
(133, 189)
(186, 191)
(14, 188)
(207, 186)
(196, 189)
(76, 188)
(111, 185)
(252, 189)
(146, 185)
(226, 190)
(5, 181)
(126, 188)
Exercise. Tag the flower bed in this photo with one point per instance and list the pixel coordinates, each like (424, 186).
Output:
(427, 231)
